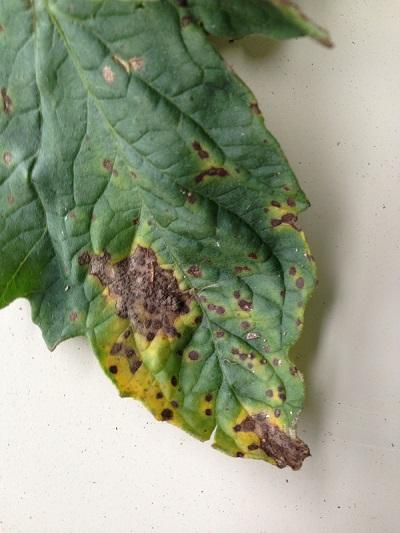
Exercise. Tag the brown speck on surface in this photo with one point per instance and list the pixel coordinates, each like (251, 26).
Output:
(253, 446)
(277, 413)
(236, 295)
(109, 166)
(195, 271)
(275, 362)
(239, 454)
(252, 255)
(7, 102)
(289, 218)
(159, 395)
(291, 202)
(245, 305)
(276, 222)
(292, 271)
(269, 393)
(73, 316)
(167, 414)
(135, 221)
(276, 443)
(174, 381)
(208, 412)
(240, 269)
(209, 397)
(127, 333)
(219, 334)
(282, 396)
(11, 199)
(193, 355)
(293, 370)
(182, 3)
(245, 324)
(116, 348)
(191, 198)
(136, 63)
(186, 21)
(203, 154)
(108, 74)
(237, 428)
(113, 369)
(275, 203)
(146, 294)
(7, 158)
(213, 171)
(84, 259)
(220, 310)
(300, 283)
(175, 404)
(255, 108)
(198, 320)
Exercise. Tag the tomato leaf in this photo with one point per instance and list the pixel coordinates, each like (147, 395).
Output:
(144, 204)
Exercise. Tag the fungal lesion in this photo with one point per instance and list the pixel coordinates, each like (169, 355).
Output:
(146, 294)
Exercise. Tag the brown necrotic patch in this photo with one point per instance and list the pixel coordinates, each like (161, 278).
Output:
(203, 154)
(276, 443)
(7, 102)
(145, 293)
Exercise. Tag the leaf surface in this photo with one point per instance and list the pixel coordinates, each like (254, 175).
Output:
(145, 205)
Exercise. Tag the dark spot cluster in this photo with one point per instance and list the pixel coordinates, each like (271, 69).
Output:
(255, 108)
(213, 171)
(216, 308)
(203, 154)
(287, 218)
(195, 271)
(109, 166)
(133, 360)
(7, 102)
(276, 443)
(243, 356)
(146, 294)
(245, 305)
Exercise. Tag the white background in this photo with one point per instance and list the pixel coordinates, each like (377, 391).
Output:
(75, 458)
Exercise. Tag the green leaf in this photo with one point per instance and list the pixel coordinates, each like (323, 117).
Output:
(144, 204)
(277, 19)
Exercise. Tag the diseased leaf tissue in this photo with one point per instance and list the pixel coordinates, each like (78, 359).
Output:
(143, 204)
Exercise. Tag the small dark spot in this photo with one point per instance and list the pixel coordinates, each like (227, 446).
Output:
(277, 413)
(298, 322)
(167, 414)
(282, 396)
(7, 102)
(254, 107)
(264, 361)
(239, 454)
(182, 3)
(208, 412)
(293, 370)
(213, 171)
(275, 222)
(275, 203)
(237, 428)
(209, 397)
(253, 446)
(186, 21)
(134, 364)
(289, 218)
(252, 355)
(235, 351)
(7, 158)
(127, 333)
(129, 352)
(174, 403)
(174, 381)
(243, 356)
(195, 271)
(245, 324)
(252, 255)
(219, 334)
(135, 221)
(220, 310)
(193, 355)
(109, 166)
(291, 202)
(73, 316)
(159, 395)
(275, 362)
(11, 199)
(150, 336)
(300, 283)
(116, 348)
(240, 269)
(250, 365)
(84, 259)
(191, 198)
(113, 369)
(236, 295)
(203, 154)
(198, 319)
(269, 393)
(292, 271)
(245, 305)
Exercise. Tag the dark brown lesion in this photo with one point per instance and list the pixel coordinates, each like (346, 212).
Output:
(146, 294)
(276, 443)
(7, 102)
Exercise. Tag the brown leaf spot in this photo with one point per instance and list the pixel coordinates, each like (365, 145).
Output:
(252, 255)
(203, 154)
(113, 369)
(300, 283)
(7, 158)
(146, 294)
(208, 412)
(193, 355)
(116, 348)
(291, 202)
(276, 222)
(186, 21)
(255, 108)
(11, 199)
(84, 259)
(167, 414)
(195, 271)
(136, 63)
(213, 171)
(245, 305)
(73, 316)
(108, 74)
(7, 102)
(292, 271)
(191, 198)
(219, 334)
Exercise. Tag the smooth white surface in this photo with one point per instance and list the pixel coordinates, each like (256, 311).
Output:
(75, 458)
